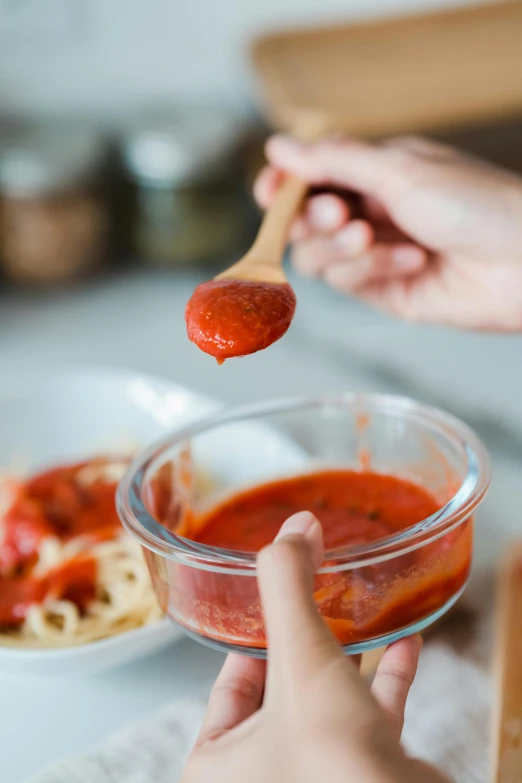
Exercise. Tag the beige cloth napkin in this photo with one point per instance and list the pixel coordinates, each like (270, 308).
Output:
(153, 751)
(448, 712)
(446, 722)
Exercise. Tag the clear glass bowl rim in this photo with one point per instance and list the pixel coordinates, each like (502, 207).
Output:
(151, 534)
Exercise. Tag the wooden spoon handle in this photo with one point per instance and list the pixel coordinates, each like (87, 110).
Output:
(507, 757)
(273, 234)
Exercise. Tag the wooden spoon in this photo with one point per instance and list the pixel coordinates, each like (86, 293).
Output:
(264, 261)
(251, 305)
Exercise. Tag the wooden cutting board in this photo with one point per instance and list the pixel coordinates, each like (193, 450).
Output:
(507, 713)
(408, 74)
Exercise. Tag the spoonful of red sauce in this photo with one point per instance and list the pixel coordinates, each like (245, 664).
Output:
(227, 318)
(250, 305)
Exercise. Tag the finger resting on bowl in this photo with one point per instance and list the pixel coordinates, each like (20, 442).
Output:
(394, 678)
(236, 695)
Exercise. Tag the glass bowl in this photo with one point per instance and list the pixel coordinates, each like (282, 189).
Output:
(370, 594)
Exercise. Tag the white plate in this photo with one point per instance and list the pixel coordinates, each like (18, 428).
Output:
(68, 415)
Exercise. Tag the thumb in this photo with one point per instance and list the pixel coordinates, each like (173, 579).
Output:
(298, 638)
(350, 164)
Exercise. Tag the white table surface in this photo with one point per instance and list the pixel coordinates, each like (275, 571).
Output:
(136, 320)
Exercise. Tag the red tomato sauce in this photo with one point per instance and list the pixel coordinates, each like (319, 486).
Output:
(57, 504)
(227, 318)
(353, 508)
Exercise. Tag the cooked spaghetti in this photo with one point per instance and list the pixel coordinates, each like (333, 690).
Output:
(69, 574)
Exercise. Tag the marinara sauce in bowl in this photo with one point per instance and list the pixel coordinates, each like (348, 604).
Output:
(394, 483)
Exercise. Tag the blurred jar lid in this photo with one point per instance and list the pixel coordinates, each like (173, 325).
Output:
(45, 159)
(182, 145)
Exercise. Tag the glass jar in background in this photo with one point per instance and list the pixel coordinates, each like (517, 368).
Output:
(54, 219)
(188, 197)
